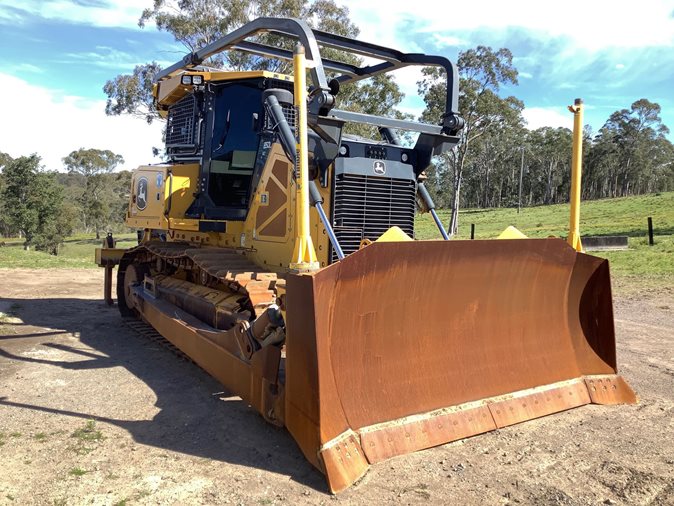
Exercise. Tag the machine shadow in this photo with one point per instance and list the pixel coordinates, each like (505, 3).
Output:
(193, 418)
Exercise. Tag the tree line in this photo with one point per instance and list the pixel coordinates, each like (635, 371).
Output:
(45, 206)
(629, 155)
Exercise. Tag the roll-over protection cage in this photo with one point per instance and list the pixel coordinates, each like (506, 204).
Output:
(322, 99)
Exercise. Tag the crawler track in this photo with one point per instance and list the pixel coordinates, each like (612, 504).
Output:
(249, 289)
(148, 332)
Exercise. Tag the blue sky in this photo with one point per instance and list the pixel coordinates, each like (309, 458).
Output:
(56, 55)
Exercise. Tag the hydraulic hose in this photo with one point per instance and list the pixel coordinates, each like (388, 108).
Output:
(426, 197)
(317, 201)
(285, 132)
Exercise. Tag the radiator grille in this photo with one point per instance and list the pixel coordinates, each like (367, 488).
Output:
(180, 129)
(367, 206)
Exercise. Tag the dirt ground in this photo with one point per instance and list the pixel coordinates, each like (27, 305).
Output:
(163, 432)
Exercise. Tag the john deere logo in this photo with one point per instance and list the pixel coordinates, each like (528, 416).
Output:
(379, 167)
(141, 194)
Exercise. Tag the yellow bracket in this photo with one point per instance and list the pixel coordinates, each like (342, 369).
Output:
(304, 255)
(576, 174)
(394, 234)
(511, 233)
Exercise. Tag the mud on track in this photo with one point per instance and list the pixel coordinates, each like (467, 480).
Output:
(165, 433)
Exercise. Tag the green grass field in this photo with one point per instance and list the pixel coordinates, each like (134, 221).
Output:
(648, 265)
(76, 252)
(620, 216)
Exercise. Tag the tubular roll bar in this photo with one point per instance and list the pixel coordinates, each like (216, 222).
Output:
(322, 98)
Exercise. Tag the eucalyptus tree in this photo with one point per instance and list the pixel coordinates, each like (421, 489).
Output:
(493, 169)
(635, 139)
(482, 72)
(97, 198)
(549, 165)
(32, 204)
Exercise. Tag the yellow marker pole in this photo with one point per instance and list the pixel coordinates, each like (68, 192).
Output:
(304, 255)
(576, 173)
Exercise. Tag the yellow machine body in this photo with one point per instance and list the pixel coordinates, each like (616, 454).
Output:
(268, 233)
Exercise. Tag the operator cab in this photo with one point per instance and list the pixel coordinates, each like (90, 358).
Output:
(220, 124)
(234, 145)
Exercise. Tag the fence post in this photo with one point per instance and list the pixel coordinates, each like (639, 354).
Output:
(651, 242)
(472, 231)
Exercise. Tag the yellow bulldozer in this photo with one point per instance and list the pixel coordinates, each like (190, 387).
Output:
(278, 253)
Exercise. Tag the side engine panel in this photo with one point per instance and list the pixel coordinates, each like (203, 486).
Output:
(160, 194)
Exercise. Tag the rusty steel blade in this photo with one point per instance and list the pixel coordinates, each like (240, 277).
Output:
(403, 346)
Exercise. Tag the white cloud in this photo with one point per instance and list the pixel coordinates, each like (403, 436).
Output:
(537, 117)
(407, 78)
(105, 57)
(28, 67)
(7, 16)
(104, 13)
(442, 41)
(619, 66)
(588, 25)
(42, 120)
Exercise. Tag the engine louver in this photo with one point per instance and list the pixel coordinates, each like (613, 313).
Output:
(367, 206)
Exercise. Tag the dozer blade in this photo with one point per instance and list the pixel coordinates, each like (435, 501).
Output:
(403, 346)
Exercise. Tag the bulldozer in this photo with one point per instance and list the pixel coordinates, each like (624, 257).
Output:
(279, 253)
